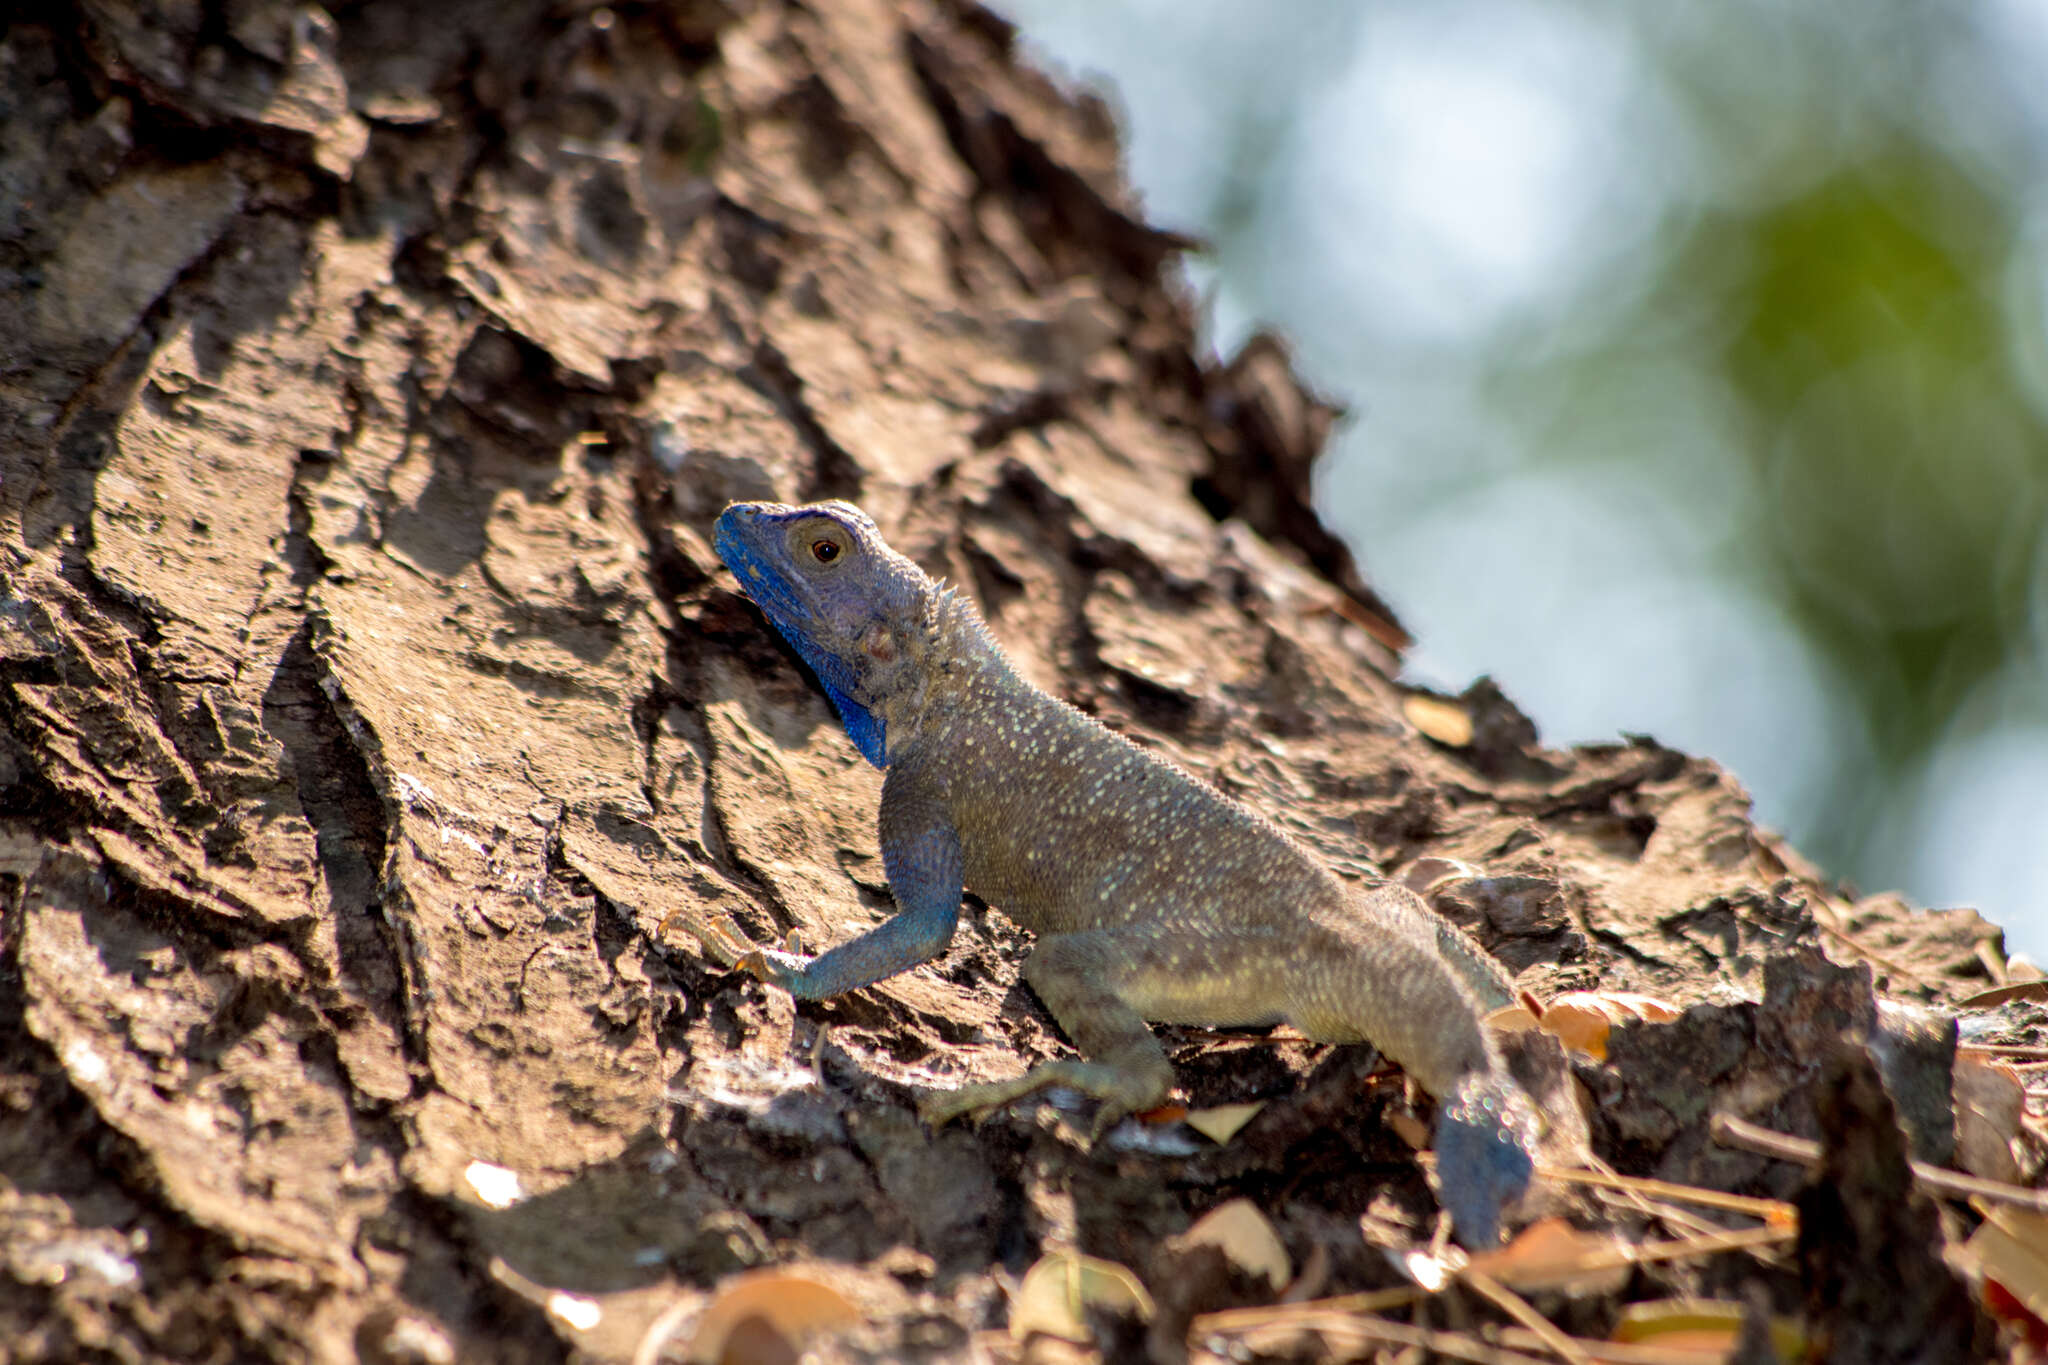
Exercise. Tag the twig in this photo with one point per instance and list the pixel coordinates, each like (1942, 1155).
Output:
(1606, 1177)
(1457, 1345)
(1770, 1210)
(1464, 1346)
(1518, 1308)
(1616, 1352)
(1686, 1248)
(1681, 1222)
(2004, 1049)
(663, 1327)
(1353, 1315)
(1730, 1131)
(1863, 951)
(1371, 1301)
(1616, 1190)
(1619, 1192)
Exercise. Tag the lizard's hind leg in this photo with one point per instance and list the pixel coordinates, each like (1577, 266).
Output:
(1102, 985)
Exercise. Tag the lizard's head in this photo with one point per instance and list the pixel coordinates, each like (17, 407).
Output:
(846, 601)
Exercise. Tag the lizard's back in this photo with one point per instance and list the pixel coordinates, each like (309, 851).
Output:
(1068, 825)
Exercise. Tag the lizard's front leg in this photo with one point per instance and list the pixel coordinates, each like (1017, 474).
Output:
(925, 877)
(921, 855)
(1086, 980)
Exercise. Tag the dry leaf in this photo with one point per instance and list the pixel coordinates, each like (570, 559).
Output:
(1513, 1019)
(1242, 1233)
(1581, 1020)
(758, 1309)
(1426, 874)
(2010, 1250)
(1701, 1325)
(1552, 1254)
(2000, 1303)
(1445, 722)
(2036, 989)
(1058, 1291)
(1990, 1099)
(1410, 1130)
(1221, 1123)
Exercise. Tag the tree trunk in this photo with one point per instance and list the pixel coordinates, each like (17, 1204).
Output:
(369, 693)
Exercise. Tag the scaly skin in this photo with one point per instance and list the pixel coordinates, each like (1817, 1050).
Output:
(1154, 897)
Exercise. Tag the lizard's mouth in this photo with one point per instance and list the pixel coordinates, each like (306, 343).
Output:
(769, 589)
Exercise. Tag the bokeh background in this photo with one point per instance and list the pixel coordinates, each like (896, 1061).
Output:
(1698, 362)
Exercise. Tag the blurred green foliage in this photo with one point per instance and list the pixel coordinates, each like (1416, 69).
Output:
(1859, 333)
(1745, 298)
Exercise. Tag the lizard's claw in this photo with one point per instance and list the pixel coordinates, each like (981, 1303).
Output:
(1108, 1115)
(724, 944)
(1119, 1093)
(777, 969)
(976, 1103)
(941, 1107)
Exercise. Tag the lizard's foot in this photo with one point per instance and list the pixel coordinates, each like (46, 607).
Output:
(972, 1102)
(1120, 1093)
(1485, 1134)
(718, 940)
(724, 944)
(777, 969)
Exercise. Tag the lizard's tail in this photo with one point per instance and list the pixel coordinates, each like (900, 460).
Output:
(1419, 988)
(1478, 970)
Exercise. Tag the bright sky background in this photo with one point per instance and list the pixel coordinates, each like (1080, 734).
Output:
(1411, 189)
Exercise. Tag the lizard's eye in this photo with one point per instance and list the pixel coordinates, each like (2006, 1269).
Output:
(824, 551)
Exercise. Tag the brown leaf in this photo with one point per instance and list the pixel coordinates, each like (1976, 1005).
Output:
(1582, 1019)
(1705, 1325)
(1222, 1122)
(1446, 722)
(1989, 1101)
(1063, 1285)
(756, 1315)
(1242, 1233)
(1410, 1130)
(1424, 874)
(2000, 995)
(2009, 1251)
(1513, 1019)
(1552, 1254)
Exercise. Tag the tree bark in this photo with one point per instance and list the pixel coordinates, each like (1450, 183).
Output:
(369, 693)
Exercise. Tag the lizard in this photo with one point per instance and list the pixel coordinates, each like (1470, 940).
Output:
(1152, 895)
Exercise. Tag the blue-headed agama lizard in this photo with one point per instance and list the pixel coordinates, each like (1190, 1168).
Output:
(1153, 896)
